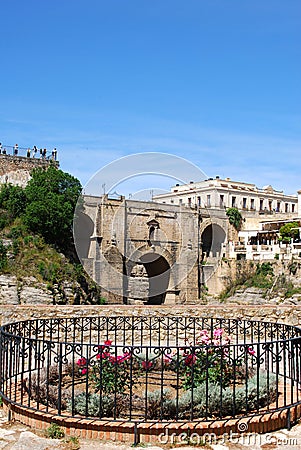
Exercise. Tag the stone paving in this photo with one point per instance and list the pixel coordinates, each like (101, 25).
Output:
(15, 436)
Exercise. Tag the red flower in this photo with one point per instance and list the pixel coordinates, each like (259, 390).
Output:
(147, 365)
(190, 360)
(81, 362)
(103, 355)
(108, 343)
(84, 371)
(251, 351)
(120, 359)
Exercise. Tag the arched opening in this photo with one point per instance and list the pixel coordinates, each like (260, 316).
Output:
(149, 279)
(84, 230)
(212, 239)
(158, 271)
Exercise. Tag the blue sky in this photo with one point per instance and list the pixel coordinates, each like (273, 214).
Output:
(217, 82)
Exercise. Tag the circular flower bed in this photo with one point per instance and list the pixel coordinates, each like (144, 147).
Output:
(151, 369)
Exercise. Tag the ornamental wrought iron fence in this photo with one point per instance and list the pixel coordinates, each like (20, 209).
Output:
(150, 368)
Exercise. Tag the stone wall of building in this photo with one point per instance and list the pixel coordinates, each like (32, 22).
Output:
(143, 240)
(16, 169)
(275, 313)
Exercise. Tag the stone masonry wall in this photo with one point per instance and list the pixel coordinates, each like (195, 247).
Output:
(16, 169)
(275, 313)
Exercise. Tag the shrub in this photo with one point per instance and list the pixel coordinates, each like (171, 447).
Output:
(73, 443)
(207, 359)
(222, 402)
(160, 405)
(264, 269)
(3, 256)
(49, 272)
(235, 217)
(54, 431)
(13, 199)
(17, 231)
(4, 220)
(43, 388)
(93, 405)
(110, 372)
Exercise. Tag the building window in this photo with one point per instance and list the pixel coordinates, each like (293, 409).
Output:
(221, 201)
(293, 208)
(171, 201)
(270, 205)
(180, 201)
(252, 203)
(244, 203)
(189, 201)
(261, 205)
(278, 207)
(208, 200)
(233, 202)
(286, 207)
(199, 201)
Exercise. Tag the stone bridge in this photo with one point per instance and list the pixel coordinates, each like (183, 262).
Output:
(147, 252)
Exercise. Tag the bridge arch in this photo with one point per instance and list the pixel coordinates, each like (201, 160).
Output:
(149, 275)
(213, 236)
(84, 230)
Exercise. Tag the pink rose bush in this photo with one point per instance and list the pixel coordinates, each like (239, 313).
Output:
(208, 360)
(107, 371)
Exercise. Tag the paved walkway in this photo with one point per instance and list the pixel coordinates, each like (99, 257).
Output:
(15, 436)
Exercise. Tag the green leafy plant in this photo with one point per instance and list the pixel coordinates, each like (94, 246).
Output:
(4, 219)
(288, 232)
(208, 360)
(235, 217)
(54, 431)
(17, 231)
(111, 372)
(12, 199)
(51, 198)
(208, 398)
(72, 443)
(3, 257)
(92, 405)
(293, 267)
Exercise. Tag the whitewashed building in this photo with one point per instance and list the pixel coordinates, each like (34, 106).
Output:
(225, 193)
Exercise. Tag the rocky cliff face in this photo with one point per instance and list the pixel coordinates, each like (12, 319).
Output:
(29, 291)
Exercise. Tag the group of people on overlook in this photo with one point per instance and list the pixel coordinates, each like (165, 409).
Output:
(30, 152)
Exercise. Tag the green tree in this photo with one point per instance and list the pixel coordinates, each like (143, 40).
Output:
(51, 199)
(289, 231)
(235, 217)
(12, 199)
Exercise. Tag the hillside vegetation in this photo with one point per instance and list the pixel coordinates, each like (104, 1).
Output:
(36, 235)
(271, 279)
